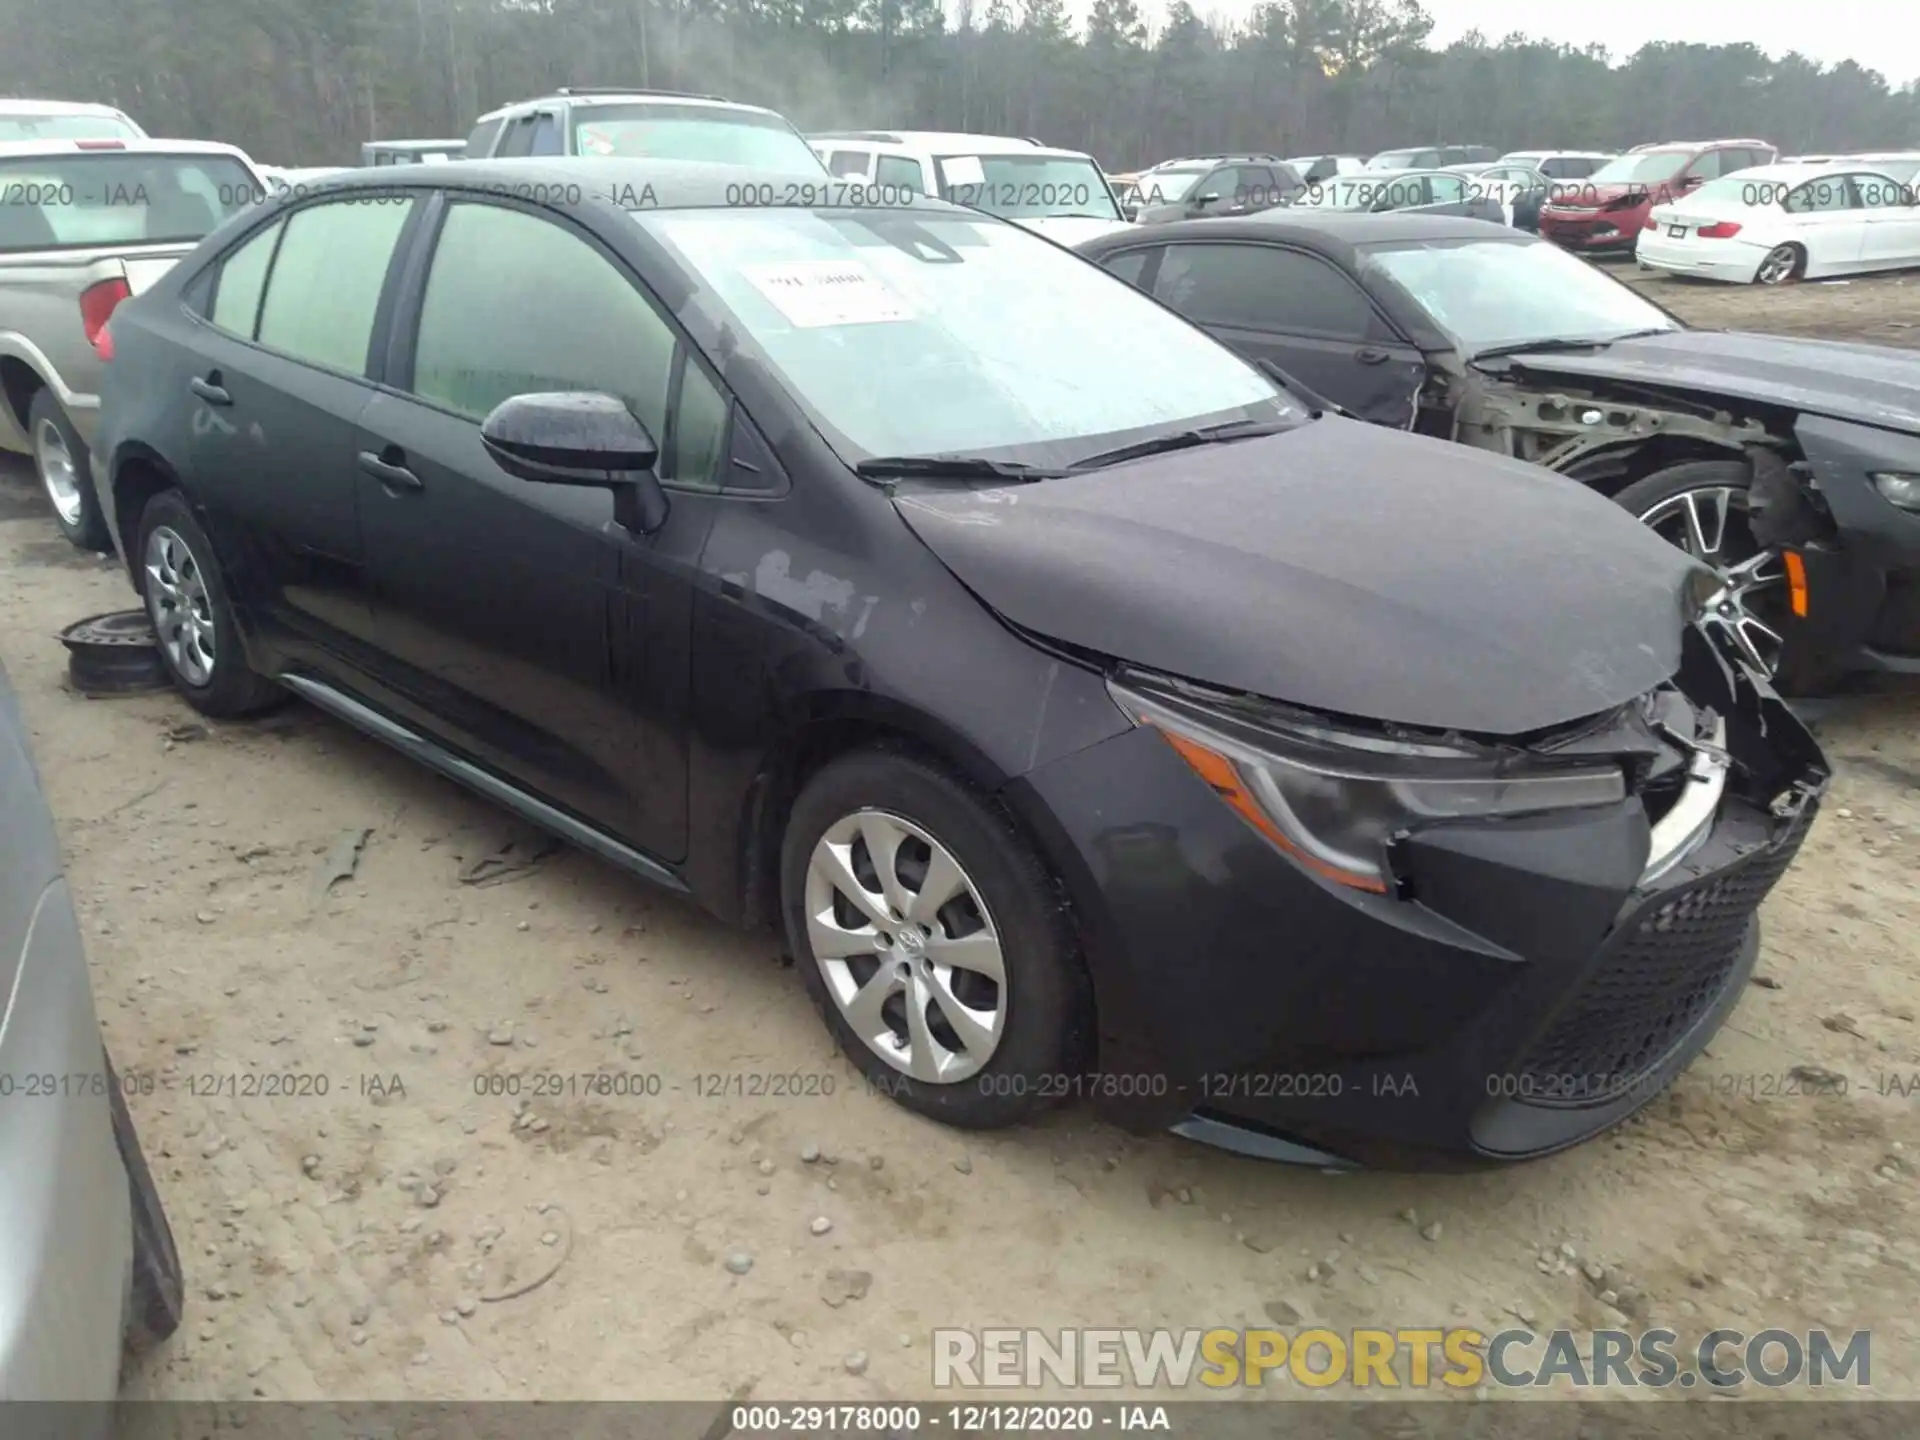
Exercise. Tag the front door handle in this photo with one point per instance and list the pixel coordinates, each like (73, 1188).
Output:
(1370, 356)
(210, 389)
(393, 477)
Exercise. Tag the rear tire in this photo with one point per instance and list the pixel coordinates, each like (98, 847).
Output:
(187, 601)
(1784, 265)
(1001, 892)
(65, 469)
(159, 1297)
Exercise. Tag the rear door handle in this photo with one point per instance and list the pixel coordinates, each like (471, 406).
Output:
(1370, 356)
(210, 390)
(394, 477)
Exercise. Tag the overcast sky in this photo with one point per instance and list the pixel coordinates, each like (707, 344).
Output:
(1882, 35)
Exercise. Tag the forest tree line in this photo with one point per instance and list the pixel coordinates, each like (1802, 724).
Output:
(303, 82)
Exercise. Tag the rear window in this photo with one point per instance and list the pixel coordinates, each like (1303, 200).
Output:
(66, 127)
(67, 202)
(693, 132)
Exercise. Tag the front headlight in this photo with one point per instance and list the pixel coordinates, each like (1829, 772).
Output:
(1899, 489)
(1333, 799)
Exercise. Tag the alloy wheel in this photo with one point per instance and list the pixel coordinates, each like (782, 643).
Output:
(182, 611)
(1713, 524)
(1779, 265)
(58, 473)
(907, 947)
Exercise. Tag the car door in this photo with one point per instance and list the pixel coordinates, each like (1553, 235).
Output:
(1829, 223)
(1300, 312)
(279, 380)
(517, 620)
(1891, 219)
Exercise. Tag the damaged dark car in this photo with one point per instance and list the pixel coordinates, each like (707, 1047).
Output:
(1790, 466)
(1098, 720)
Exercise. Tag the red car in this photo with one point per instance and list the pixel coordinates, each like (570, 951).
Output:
(1608, 209)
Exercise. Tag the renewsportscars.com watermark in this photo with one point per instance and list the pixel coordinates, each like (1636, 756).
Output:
(1457, 1358)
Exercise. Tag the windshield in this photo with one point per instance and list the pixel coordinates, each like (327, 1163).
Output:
(1498, 292)
(66, 127)
(1402, 159)
(694, 132)
(1027, 187)
(119, 198)
(903, 333)
(1648, 169)
(1163, 187)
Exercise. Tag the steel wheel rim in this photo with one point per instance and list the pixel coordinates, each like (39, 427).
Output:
(907, 947)
(1711, 524)
(178, 603)
(57, 471)
(1778, 265)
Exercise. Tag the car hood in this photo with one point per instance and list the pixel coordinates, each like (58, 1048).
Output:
(1339, 566)
(1870, 384)
(1071, 229)
(1585, 195)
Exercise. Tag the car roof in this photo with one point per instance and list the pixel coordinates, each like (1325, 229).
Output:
(665, 184)
(27, 106)
(17, 149)
(572, 96)
(936, 141)
(1792, 172)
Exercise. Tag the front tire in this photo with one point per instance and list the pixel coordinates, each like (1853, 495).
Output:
(1702, 507)
(1784, 264)
(187, 601)
(62, 463)
(934, 941)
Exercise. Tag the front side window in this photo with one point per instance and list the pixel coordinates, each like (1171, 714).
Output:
(1027, 187)
(922, 333)
(901, 173)
(693, 132)
(1445, 189)
(118, 197)
(324, 289)
(516, 304)
(242, 280)
(1166, 187)
(482, 138)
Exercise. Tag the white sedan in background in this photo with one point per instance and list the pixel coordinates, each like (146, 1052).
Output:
(1775, 223)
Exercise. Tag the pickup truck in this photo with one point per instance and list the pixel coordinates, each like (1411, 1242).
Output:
(83, 225)
(661, 124)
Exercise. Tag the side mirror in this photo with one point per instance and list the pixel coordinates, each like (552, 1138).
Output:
(580, 438)
(1202, 202)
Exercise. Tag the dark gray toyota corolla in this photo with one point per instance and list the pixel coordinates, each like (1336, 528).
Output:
(1096, 719)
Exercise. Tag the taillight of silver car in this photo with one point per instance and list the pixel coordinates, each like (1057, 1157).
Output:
(97, 304)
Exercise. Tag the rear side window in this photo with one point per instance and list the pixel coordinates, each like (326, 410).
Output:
(1128, 265)
(326, 281)
(1263, 287)
(86, 199)
(1830, 192)
(518, 138)
(847, 163)
(1708, 166)
(242, 279)
(480, 142)
(545, 139)
(902, 173)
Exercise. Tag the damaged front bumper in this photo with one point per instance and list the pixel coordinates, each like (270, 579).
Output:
(1524, 983)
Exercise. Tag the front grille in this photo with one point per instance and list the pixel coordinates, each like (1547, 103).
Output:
(1663, 968)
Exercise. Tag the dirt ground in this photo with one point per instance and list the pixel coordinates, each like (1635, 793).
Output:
(406, 1235)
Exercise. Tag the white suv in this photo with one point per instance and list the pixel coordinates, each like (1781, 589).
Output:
(1061, 194)
(64, 120)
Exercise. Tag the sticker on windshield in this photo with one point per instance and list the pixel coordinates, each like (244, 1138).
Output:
(813, 293)
(595, 141)
(963, 170)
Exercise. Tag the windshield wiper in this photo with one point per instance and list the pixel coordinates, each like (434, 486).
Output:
(1554, 344)
(952, 467)
(1180, 440)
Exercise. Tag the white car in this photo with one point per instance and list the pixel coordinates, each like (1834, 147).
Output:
(1061, 194)
(1774, 223)
(22, 120)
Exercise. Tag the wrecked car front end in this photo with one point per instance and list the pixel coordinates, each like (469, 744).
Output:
(1389, 947)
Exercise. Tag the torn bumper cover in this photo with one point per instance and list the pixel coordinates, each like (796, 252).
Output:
(1515, 985)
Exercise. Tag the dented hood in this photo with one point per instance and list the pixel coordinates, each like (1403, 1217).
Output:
(1871, 384)
(1338, 566)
